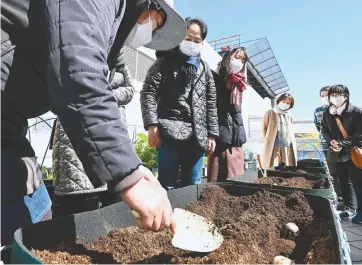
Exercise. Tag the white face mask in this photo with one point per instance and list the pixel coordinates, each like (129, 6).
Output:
(190, 48)
(236, 65)
(325, 100)
(338, 100)
(283, 106)
(140, 35)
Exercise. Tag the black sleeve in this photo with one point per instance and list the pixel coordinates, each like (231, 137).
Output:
(78, 34)
(356, 137)
(211, 104)
(149, 94)
(325, 130)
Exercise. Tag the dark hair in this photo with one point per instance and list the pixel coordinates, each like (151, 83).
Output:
(339, 89)
(198, 21)
(325, 88)
(224, 66)
(285, 96)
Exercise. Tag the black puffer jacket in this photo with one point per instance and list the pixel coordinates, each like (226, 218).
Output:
(352, 122)
(231, 126)
(165, 101)
(57, 56)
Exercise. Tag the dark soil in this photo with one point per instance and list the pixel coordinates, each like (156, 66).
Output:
(251, 227)
(296, 182)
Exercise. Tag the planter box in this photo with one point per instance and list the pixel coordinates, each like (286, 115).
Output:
(309, 165)
(91, 226)
(326, 193)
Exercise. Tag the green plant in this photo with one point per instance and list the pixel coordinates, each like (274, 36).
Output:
(46, 174)
(205, 161)
(147, 154)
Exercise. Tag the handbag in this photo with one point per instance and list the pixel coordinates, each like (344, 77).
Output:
(356, 152)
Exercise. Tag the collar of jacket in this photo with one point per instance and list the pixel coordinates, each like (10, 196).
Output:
(134, 9)
(349, 108)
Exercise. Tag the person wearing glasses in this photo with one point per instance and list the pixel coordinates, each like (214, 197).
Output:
(350, 176)
(318, 116)
(56, 56)
(231, 81)
(278, 134)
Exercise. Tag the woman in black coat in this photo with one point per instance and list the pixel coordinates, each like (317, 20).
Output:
(228, 158)
(346, 171)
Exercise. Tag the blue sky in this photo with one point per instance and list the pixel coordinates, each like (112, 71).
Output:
(316, 42)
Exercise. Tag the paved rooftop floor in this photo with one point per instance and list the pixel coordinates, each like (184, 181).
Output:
(354, 236)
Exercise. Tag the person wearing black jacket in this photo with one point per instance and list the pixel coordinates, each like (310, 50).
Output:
(346, 171)
(228, 159)
(178, 102)
(55, 57)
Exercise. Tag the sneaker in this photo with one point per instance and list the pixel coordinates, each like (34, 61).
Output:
(357, 219)
(348, 214)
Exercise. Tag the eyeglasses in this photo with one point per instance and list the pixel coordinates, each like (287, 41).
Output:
(338, 95)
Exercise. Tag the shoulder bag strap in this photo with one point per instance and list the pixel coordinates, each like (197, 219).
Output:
(341, 128)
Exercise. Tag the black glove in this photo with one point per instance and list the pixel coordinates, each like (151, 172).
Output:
(347, 144)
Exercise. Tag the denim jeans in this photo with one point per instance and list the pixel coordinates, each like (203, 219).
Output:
(172, 155)
(28, 210)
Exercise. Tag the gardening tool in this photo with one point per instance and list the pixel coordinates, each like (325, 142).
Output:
(263, 171)
(193, 232)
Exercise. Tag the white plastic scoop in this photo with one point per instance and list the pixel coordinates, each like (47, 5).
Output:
(193, 232)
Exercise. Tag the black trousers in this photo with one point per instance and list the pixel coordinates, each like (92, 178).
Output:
(350, 177)
(332, 171)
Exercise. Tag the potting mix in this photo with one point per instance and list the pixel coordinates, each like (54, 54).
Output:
(295, 182)
(256, 229)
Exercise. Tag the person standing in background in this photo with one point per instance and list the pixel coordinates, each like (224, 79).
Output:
(318, 116)
(228, 159)
(278, 134)
(178, 102)
(350, 176)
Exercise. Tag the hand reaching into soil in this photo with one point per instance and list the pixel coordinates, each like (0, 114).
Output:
(149, 199)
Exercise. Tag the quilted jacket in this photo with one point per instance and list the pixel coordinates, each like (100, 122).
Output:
(69, 174)
(164, 104)
(56, 54)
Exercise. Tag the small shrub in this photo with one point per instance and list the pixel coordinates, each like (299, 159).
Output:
(46, 174)
(147, 154)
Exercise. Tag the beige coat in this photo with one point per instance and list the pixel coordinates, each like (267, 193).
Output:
(269, 133)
